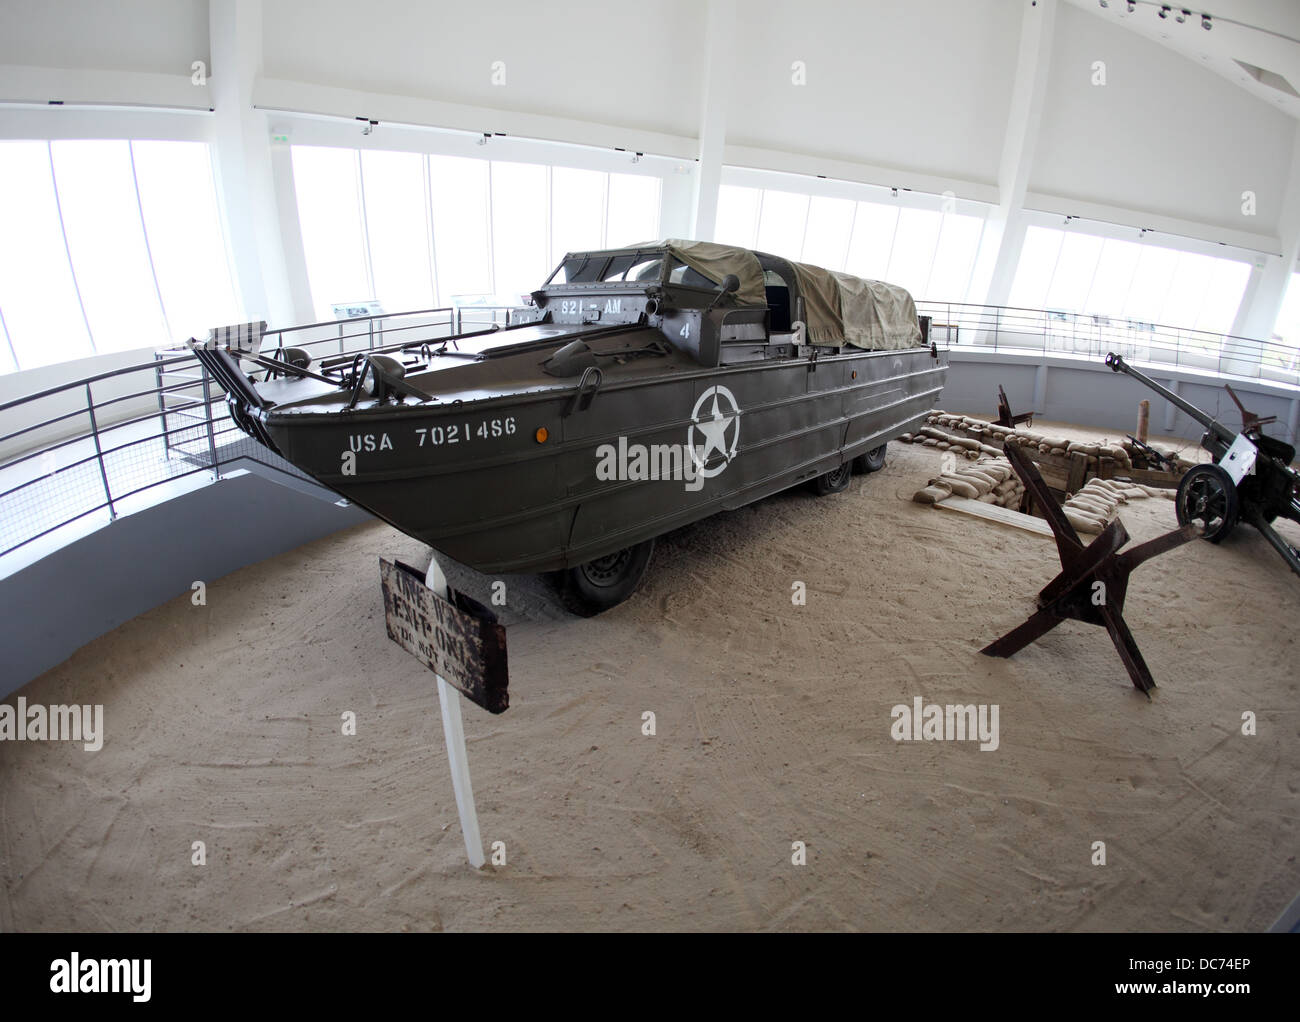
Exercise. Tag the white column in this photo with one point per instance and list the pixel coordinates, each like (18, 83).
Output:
(719, 54)
(1262, 302)
(1005, 232)
(243, 162)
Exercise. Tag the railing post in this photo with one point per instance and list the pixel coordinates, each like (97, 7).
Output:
(99, 453)
(207, 415)
(162, 404)
(370, 332)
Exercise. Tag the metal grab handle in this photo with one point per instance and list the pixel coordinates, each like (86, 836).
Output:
(582, 397)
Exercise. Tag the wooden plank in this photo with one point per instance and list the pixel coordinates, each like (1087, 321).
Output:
(994, 513)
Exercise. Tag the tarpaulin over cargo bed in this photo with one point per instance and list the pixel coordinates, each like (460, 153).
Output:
(838, 307)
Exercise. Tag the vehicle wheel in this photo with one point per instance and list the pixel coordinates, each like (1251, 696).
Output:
(872, 461)
(834, 481)
(1207, 497)
(590, 588)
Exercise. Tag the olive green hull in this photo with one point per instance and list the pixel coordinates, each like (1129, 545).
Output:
(476, 481)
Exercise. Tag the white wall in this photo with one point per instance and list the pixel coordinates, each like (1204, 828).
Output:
(638, 65)
(914, 86)
(159, 36)
(1162, 136)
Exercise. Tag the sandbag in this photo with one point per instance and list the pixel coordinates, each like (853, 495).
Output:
(961, 487)
(931, 494)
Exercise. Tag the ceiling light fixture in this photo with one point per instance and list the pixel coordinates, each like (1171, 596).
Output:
(1132, 6)
(1206, 23)
(1104, 3)
(1182, 16)
(1164, 11)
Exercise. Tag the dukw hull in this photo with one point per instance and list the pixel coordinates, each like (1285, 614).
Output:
(537, 478)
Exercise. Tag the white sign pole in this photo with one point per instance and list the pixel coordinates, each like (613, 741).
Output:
(453, 730)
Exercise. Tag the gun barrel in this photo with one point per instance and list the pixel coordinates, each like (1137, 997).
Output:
(1117, 364)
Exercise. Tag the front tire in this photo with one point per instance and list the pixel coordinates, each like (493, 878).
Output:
(834, 481)
(872, 461)
(594, 587)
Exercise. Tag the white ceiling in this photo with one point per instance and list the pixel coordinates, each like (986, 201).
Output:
(1263, 33)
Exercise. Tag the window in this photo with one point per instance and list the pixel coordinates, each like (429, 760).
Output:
(915, 242)
(461, 226)
(826, 237)
(396, 229)
(874, 227)
(737, 222)
(417, 230)
(781, 223)
(577, 211)
(1070, 271)
(329, 214)
(519, 221)
(1287, 329)
(179, 202)
(633, 210)
(38, 295)
(107, 245)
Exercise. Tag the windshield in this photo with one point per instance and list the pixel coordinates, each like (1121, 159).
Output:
(600, 267)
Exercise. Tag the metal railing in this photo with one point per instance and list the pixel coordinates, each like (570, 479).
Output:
(94, 447)
(97, 446)
(1006, 328)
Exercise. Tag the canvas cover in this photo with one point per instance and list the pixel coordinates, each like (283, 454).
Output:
(838, 307)
(716, 261)
(875, 314)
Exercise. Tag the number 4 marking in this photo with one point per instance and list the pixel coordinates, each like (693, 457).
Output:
(686, 330)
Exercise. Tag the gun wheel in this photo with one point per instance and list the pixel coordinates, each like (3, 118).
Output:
(1207, 498)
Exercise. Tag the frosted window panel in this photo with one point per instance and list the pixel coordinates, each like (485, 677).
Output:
(392, 185)
(110, 260)
(1223, 296)
(460, 226)
(830, 224)
(737, 216)
(781, 222)
(577, 211)
(1113, 279)
(1076, 266)
(954, 259)
(38, 297)
(874, 227)
(915, 242)
(1188, 290)
(7, 363)
(1034, 271)
(520, 211)
(181, 221)
(329, 214)
(1151, 281)
(633, 209)
(1288, 320)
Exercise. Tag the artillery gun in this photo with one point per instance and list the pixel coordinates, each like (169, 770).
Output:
(1250, 479)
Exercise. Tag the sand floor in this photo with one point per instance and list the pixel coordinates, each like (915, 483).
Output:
(773, 726)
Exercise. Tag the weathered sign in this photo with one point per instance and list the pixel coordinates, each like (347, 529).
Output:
(458, 639)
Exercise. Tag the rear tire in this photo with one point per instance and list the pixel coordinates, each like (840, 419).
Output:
(593, 587)
(834, 481)
(872, 461)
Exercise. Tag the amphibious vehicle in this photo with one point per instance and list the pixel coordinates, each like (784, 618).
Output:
(641, 389)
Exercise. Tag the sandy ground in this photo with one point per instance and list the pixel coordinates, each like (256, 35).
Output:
(773, 726)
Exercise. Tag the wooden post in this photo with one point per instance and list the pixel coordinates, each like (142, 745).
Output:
(453, 730)
(1144, 419)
